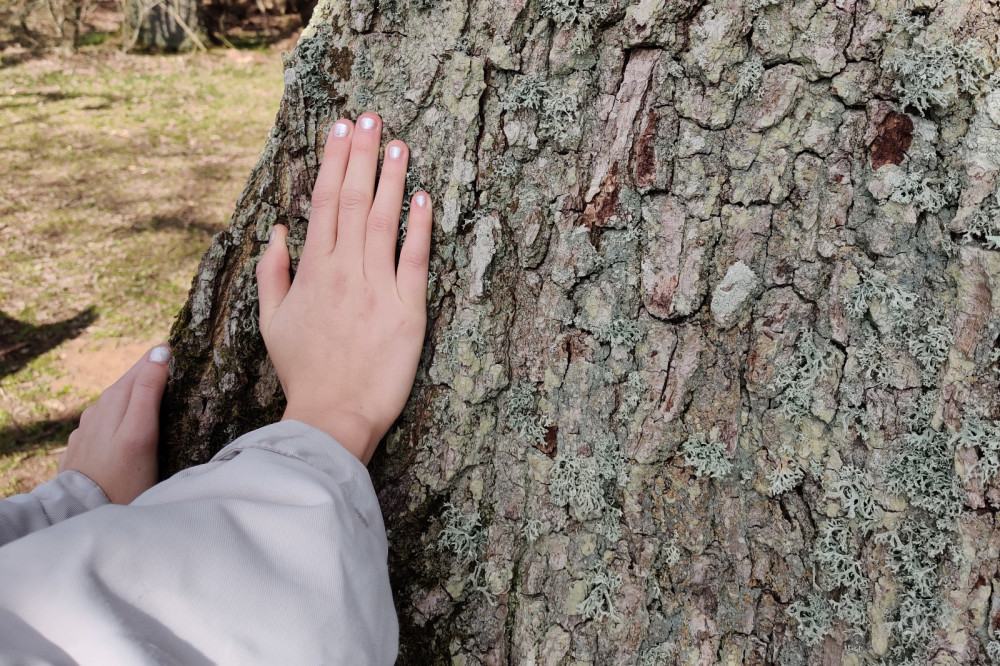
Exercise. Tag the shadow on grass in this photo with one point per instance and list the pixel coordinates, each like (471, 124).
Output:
(250, 31)
(20, 342)
(34, 99)
(8, 59)
(181, 220)
(19, 437)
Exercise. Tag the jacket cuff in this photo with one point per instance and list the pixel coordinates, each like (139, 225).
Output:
(319, 450)
(69, 494)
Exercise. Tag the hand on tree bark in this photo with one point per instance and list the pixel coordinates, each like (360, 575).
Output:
(345, 336)
(115, 444)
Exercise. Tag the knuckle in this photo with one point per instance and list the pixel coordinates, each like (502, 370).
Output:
(340, 278)
(146, 383)
(369, 297)
(414, 258)
(381, 223)
(354, 200)
(323, 197)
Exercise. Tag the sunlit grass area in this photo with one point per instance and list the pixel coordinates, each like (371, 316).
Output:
(116, 171)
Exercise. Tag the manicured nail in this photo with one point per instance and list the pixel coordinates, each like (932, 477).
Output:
(270, 239)
(421, 200)
(367, 123)
(159, 355)
(395, 152)
(340, 129)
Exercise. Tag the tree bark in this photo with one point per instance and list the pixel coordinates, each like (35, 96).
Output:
(710, 373)
(163, 25)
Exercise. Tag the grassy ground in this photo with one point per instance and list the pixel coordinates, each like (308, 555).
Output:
(117, 170)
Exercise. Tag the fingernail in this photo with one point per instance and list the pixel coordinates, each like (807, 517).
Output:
(367, 123)
(395, 152)
(159, 355)
(421, 199)
(340, 129)
(270, 239)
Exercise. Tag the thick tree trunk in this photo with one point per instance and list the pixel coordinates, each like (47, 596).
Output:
(163, 25)
(710, 374)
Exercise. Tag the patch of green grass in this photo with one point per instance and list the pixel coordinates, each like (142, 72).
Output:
(117, 171)
(8, 464)
(92, 38)
(24, 395)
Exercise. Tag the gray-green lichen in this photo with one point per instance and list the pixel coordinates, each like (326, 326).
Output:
(711, 364)
(706, 456)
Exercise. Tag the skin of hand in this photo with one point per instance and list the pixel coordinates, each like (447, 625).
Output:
(115, 443)
(345, 336)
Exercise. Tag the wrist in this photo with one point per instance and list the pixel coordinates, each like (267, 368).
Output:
(353, 431)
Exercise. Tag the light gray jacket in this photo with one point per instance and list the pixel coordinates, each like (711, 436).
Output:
(274, 552)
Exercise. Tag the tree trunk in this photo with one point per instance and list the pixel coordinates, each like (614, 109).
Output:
(710, 373)
(78, 10)
(163, 25)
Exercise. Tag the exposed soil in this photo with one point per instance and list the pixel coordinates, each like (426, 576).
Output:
(90, 366)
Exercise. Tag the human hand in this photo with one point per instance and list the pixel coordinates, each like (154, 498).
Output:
(115, 443)
(345, 336)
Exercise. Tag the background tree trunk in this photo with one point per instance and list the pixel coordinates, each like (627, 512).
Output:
(305, 9)
(163, 25)
(710, 373)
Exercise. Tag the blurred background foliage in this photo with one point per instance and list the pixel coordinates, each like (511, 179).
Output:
(148, 25)
(121, 159)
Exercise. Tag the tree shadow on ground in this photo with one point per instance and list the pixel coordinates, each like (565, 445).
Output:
(22, 436)
(20, 342)
(239, 26)
(184, 220)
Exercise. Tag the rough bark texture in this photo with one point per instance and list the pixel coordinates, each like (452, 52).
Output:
(711, 370)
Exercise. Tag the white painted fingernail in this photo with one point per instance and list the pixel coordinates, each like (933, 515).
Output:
(367, 123)
(421, 200)
(395, 152)
(340, 129)
(270, 239)
(159, 355)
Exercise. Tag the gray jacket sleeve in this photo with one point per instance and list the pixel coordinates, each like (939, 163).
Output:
(273, 552)
(65, 496)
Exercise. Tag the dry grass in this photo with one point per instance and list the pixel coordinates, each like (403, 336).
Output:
(118, 169)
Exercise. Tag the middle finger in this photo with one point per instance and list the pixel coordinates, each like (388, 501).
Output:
(359, 185)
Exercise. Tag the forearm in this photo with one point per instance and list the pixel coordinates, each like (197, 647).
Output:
(273, 552)
(65, 496)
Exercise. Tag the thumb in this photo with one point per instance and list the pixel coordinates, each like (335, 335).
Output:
(150, 381)
(273, 278)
